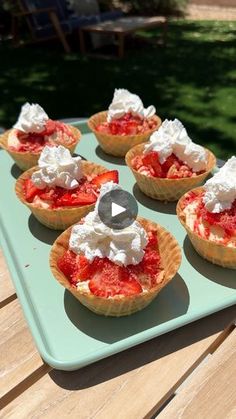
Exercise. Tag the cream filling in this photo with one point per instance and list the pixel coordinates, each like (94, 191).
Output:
(13, 140)
(217, 233)
(39, 203)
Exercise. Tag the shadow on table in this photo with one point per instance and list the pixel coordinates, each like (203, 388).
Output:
(110, 159)
(42, 233)
(16, 171)
(154, 204)
(223, 276)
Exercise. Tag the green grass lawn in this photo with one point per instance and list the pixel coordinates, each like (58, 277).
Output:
(193, 79)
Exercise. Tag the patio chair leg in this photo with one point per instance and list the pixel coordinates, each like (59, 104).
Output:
(59, 32)
(14, 31)
(165, 30)
(82, 42)
(121, 44)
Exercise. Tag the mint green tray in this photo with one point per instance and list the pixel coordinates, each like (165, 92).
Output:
(68, 335)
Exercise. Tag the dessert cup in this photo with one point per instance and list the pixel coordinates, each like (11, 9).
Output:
(118, 145)
(58, 218)
(216, 253)
(166, 189)
(120, 305)
(26, 160)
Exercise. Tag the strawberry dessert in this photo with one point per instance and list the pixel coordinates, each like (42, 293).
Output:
(107, 262)
(60, 181)
(34, 130)
(127, 116)
(105, 278)
(171, 154)
(61, 189)
(210, 212)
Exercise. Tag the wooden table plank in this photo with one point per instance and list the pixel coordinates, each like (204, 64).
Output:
(7, 291)
(126, 24)
(133, 384)
(211, 393)
(19, 357)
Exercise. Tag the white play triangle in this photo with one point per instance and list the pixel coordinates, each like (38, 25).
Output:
(117, 209)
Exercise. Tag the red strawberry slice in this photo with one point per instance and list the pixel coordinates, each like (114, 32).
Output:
(67, 265)
(30, 190)
(114, 280)
(111, 176)
(131, 127)
(172, 159)
(50, 127)
(85, 268)
(79, 198)
(152, 159)
(152, 239)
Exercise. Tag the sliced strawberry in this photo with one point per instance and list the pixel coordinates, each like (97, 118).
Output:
(48, 195)
(152, 159)
(114, 280)
(85, 268)
(131, 127)
(67, 265)
(111, 176)
(30, 190)
(172, 159)
(152, 238)
(78, 198)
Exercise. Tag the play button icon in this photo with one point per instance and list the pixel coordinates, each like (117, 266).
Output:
(117, 209)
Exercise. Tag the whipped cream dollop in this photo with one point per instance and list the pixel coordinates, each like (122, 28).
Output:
(172, 137)
(95, 239)
(221, 188)
(57, 168)
(124, 102)
(32, 119)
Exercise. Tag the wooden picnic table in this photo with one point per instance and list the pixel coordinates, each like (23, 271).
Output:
(123, 27)
(187, 373)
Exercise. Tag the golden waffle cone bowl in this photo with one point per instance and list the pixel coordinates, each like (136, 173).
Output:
(166, 189)
(121, 305)
(26, 160)
(208, 249)
(117, 145)
(59, 218)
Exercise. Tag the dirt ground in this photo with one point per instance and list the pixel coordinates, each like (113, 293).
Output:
(223, 3)
(212, 9)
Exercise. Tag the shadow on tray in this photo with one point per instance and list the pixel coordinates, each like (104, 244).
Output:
(153, 204)
(172, 302)
(110, 159)
(144, 353)
(222, 276)
(41, 232)
(16, 171)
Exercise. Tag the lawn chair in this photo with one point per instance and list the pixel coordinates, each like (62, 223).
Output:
(47, 19)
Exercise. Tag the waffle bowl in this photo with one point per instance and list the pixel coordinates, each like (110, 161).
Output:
(58, 218)
(121, 305)
(117, 145)
(26, 160)
(216, 253)
(166, 189)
